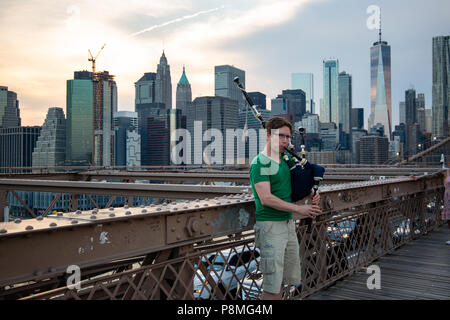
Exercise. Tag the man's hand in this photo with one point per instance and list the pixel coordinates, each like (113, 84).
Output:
(315, 198)
(307, 210)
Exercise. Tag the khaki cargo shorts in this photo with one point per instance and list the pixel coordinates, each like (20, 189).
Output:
(280, 254)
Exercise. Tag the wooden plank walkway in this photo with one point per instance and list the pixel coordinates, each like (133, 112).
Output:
(419, 270)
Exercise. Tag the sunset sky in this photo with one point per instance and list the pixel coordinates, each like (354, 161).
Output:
(44, 42)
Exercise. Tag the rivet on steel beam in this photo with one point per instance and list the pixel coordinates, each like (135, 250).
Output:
(202, 216)
(178, 237)
(79, 212)
(112, 215)
(205, 205)
(94, 211)
(173, 229)
(142, 206)
(29, 228)
(53, 224)
(174, 208)
(178, 219)
(197, 206)
(158, 209)
(40, 218)
(152, 205)
(3, 231)
(128, 213)
(17, 221)
(185, 207)
(144, 211)
(111, 208)
(126, 206)
(197, 200)
(93, 217)
(74, 221)
(59, 214)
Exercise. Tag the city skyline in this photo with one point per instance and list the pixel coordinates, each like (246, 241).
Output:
(268, 47)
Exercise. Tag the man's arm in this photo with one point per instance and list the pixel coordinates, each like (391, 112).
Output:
(268, 199)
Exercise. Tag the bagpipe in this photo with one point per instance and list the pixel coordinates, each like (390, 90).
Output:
(305, 176)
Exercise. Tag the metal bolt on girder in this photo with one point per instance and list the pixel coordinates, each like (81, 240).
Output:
(3, 231)
(128, 213)
(112, 215)
(93, 217)
(40, 218)
(144, 211)
(53, 224)
(29, 228)
(111, 208)
(79, 212)
(17, 221)
(74, 221)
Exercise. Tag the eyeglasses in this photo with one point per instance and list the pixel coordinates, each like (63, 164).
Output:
(284, 136)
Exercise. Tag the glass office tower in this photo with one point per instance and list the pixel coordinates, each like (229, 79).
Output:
(329, 107)
(380, 86)
(79, 125)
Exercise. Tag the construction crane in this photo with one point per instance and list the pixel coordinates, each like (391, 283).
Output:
(94, 59)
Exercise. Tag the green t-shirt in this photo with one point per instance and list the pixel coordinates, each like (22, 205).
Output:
(263, 168)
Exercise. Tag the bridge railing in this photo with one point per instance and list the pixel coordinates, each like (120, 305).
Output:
(205, 248)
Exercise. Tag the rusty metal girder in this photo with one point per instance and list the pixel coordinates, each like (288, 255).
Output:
(36, 249)
(169, 191)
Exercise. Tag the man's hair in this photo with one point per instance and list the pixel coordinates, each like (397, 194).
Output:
(277, 123)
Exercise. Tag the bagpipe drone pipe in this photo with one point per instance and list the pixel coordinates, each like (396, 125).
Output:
(305, 176)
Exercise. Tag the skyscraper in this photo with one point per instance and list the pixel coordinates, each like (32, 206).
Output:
(105, 104)
(218, 114)
(293, 104)
(9, 109)
(329, 107)
(79, 124)
(163, 83)
(373, 149)
(410, 107)
(357, 118)
(145, 88)
(402, 112)
(441, 86)
(224, 85)
(305, 81)
(127, 139)
(17, 145)
(50, 150)
(184, 93)
(345, 101)
(259, 99)
(380, 85)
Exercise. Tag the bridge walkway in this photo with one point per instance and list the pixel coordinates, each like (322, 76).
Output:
(419, 270)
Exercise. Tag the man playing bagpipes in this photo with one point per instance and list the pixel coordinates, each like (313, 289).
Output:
(275, 234)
